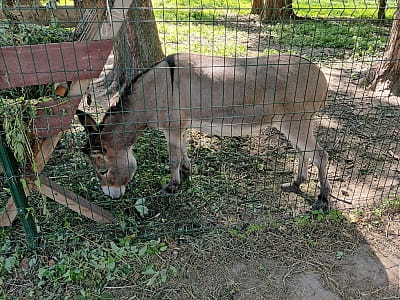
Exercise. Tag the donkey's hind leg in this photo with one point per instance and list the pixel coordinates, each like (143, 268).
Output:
(300, 134)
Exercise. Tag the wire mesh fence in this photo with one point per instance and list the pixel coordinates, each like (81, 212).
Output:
(229, 91)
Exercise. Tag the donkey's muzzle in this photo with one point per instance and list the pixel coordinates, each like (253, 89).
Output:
(114, 191)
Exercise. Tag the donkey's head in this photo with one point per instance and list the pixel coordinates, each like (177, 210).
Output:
(113, 160)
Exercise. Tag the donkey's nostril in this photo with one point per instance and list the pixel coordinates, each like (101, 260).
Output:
(103, 172)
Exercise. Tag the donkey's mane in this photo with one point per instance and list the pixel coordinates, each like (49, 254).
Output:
(124, 93)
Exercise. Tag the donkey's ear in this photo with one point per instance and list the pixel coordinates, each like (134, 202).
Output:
(87, 122)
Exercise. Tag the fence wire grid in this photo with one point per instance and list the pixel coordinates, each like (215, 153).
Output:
(233, 180)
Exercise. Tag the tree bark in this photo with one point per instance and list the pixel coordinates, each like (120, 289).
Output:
(277, 10)
(19, 3)
(257, 7)
(386, 73)
(137, 45)
(381, 10)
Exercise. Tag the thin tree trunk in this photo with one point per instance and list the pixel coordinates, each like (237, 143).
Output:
(386, 73)
(137, 45)
(382, 9)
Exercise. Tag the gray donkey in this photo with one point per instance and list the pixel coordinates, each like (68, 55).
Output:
(220, 96)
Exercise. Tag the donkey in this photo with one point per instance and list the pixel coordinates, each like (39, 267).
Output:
(218, 95)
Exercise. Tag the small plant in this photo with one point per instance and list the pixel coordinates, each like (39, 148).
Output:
(303, 220)
(339, 255)
(389, 206)
(249, 231)
(160, 276)
(140, 206)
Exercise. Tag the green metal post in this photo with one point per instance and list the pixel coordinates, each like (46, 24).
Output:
(9, 163)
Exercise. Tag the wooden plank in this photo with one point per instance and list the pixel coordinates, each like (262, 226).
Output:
(64, 197)
(43, 150)
(54, 116)
(58, 62)
(74, 201)
(9, 214)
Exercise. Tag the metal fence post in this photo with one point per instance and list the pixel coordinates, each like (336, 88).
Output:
(9, 163)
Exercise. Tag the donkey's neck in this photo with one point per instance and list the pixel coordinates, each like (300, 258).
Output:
(121, 122)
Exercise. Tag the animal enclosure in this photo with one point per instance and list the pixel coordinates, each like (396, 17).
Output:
(233, 180)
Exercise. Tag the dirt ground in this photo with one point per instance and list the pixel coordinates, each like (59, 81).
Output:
(350, 260)
(280, 264)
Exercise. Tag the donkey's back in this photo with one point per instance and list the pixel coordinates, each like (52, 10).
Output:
(234, 96)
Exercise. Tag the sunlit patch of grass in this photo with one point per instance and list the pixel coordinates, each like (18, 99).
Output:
(360, 37)
(202, 38)
(198, 10)
(366, 9)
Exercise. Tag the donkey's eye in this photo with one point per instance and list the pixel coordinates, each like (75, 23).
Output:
(103, 172)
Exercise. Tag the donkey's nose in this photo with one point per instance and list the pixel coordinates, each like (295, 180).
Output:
(114, 191)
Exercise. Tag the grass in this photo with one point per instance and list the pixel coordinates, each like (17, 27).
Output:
(194, 27)
(360, 38)
(202, 38)
(367, 9)
(85, 266)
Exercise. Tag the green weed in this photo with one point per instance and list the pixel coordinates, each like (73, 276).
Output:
(158, 276)
(390, 206)
(89, 268)
(319, 216)
(249, 231)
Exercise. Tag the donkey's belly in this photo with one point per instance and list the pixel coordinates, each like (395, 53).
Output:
(227, 127)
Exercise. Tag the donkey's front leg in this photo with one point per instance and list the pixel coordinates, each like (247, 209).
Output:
(175, 141)
(185, 165)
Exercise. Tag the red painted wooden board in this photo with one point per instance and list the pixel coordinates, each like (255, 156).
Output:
(54, 116)
(45, 63)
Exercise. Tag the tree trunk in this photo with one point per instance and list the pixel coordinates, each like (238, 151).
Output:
(381, 10)
(277, 10)
(30, 3)
(257, 7)
(137, 45)
(386, 73)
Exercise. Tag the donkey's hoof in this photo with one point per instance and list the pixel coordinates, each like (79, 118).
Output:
(322, 203)
(291, 187)
(170, 188)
